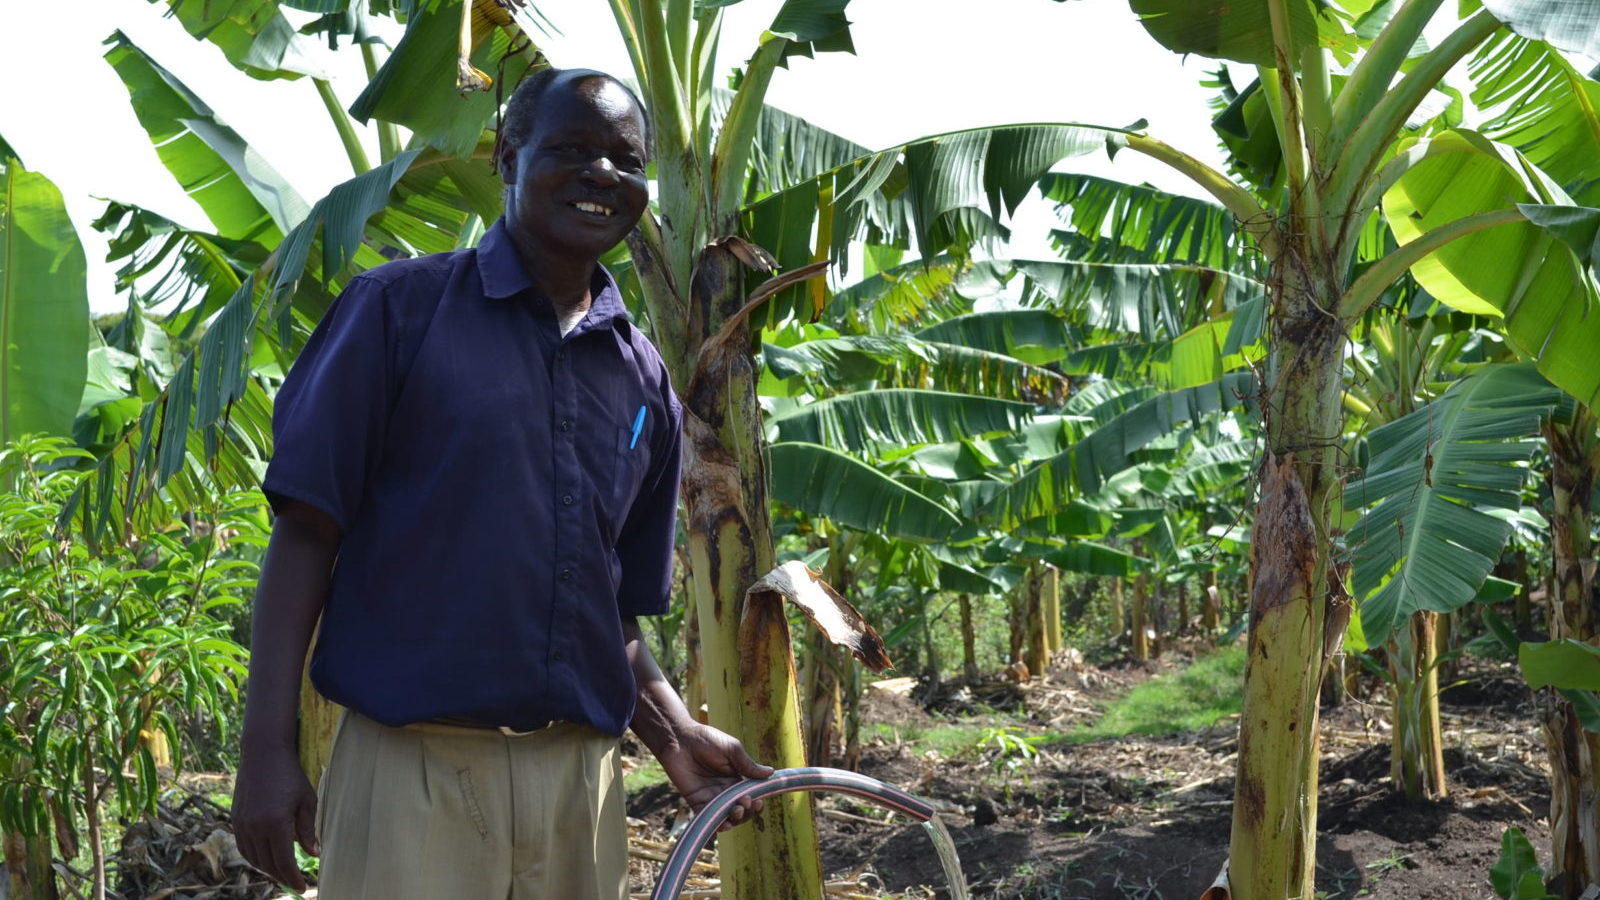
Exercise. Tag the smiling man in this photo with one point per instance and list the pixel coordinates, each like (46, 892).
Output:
(490, 450)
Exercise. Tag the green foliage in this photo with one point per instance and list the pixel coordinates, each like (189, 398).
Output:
(1197, 697)
(1517, 876)
(98, 651)
(1427, 543)
(44, 304)
(1561, 664)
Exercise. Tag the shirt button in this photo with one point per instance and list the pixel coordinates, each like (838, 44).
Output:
(566, 574)
(566, 499)
(566, 425)
(559, 656)
(561, 356)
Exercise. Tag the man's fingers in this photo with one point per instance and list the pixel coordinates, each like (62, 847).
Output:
(283, 870)
(746, 766)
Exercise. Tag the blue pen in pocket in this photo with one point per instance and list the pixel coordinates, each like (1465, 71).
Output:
(638, 426)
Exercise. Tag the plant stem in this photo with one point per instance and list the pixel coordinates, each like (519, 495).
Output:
(1384, 272)
(91, 806)
(1378, 66)
(1365, 148)
(1238, 200)
(346, 128)
(731, 158)
(388, 134)
(1287, 114)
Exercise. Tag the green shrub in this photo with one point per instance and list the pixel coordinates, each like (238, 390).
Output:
(98, 650)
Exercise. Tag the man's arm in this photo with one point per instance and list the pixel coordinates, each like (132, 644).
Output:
(701, 761)
(273, 801)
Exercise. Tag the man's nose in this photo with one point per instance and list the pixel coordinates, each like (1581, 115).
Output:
(600, 171)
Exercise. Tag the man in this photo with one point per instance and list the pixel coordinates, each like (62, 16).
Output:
(490, 449)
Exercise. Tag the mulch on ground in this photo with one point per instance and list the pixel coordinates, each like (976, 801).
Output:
(1149, 817)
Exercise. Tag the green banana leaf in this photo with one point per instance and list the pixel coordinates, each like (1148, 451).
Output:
(869, 359)
(1569, 664)
(1427, 543)
(1518, 271)
(1572, 25)
(873, 420)
(955, 188)
(242, 195)
(788, 149)
(1237, 30)
(44, 305)
(1539, 103)
(828, 483)
(1087, 558)
(416, 87)
(1108, 449)
(1034, 335)
(1576, 226)
(812, 27)
(252, 34)
(212, 422)
(1134, 223)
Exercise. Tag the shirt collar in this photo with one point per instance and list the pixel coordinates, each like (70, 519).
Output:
(503, 276)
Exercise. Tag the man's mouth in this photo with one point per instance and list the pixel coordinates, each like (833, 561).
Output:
(593, 208)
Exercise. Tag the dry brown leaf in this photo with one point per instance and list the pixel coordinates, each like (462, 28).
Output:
(838, 620)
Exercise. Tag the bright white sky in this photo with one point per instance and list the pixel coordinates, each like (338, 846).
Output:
(921, 67)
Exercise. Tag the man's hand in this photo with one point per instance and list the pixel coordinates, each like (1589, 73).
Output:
(703, 762)
(273, 804)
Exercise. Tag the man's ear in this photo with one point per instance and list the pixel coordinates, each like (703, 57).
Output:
(506, 162)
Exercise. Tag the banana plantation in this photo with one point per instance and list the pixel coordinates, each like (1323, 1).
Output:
(1238, 544)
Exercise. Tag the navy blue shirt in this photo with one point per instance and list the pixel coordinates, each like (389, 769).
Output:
(503, 504)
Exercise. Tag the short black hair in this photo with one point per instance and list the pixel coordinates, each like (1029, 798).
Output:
(522, 110)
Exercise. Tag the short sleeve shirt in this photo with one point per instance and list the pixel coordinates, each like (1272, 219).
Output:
(506, 494)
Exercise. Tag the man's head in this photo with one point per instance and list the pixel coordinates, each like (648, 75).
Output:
(573, 149)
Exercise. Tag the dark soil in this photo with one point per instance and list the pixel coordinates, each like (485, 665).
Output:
(1148, 817)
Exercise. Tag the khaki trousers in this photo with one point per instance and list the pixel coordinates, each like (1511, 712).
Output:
(435, 812)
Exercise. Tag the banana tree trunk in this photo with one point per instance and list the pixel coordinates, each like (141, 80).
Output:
(1119, 616)
(1183, 609)
(694, 681)
(1574, 753)
(749, 667)
(28, 872)
(1052, 609)
(1416, 752)
(1272, 851)
(820, 681)
(1017, 618)
(969, 640)
(1038, 658)
(1210, 610)
(1141, 624)
(745, 646)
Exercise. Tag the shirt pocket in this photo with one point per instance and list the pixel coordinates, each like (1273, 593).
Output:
(632, 461)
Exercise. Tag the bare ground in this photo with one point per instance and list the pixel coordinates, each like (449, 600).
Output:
(1125, 818)
(1148, 817)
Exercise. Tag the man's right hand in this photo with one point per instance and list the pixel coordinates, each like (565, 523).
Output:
(273, 806)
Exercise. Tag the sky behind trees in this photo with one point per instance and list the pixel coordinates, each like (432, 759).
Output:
(950, 65)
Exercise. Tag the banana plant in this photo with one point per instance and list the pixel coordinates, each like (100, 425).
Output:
(44, 304)
(1340, 90)
(1434, 478)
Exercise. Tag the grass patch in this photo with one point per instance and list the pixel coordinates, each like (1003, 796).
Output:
(649, 774)
(1209, 690)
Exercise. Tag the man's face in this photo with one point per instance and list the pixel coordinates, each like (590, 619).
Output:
(578, 182)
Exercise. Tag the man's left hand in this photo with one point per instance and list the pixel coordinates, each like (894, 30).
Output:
(703, 762)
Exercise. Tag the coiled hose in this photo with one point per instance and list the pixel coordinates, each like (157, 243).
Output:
(675, 872)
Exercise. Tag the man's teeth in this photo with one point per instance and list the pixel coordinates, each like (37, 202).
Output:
(593, 208)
